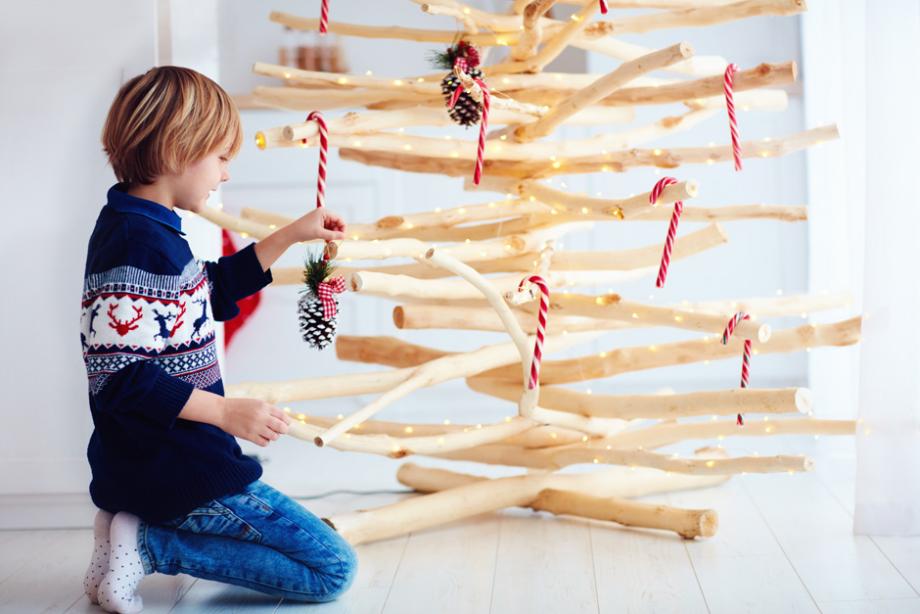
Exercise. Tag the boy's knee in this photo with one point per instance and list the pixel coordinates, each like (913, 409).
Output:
(337, 578)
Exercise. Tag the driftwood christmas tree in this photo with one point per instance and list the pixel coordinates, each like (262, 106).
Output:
(489, 266)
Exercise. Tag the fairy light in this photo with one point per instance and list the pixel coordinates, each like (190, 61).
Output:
(408, 430)
(340, 417)
(369, 73)
(341, 80)
(447, 422)
(260, 140)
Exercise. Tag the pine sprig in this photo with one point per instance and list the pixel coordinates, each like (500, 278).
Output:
(316, 269)
(446, 59)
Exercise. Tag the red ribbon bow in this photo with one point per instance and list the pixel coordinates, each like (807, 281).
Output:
(326, 289)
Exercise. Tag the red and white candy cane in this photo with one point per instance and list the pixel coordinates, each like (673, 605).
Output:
(483, 122)
(324, 17)
(603, 4)
(323, 153)
(653, 197)
(746, 357)
(541, 327)
(728, 84)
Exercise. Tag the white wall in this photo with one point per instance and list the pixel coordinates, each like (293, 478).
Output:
(60, 66)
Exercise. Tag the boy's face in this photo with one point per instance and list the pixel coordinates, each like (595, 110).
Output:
(193, 186)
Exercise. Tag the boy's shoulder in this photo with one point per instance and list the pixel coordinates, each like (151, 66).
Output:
(134, 241)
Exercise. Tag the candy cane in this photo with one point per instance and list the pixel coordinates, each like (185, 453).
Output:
(746, 357)
(603, 4)
(541, 327)
(728, 84)
(672, 227)
(461, 63)
(324, 17)
(323, 152)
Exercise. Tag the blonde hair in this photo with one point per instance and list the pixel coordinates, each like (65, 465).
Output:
(166, 119)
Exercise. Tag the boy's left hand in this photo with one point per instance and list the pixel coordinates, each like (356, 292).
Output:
(321, 223)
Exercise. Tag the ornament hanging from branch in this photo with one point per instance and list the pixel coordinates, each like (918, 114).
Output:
(466, 94)
(318, 306)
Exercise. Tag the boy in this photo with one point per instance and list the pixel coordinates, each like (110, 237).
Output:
(163, 455)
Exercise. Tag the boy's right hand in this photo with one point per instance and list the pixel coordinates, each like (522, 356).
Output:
(254, 420)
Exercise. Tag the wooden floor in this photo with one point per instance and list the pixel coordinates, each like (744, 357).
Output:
(785, 544)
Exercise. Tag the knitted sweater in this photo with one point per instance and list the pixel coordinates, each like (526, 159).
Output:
(148, 337)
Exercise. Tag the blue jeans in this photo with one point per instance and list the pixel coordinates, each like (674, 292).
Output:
(258, 538)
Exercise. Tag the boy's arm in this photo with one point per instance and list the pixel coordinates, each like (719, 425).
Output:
(249, 270)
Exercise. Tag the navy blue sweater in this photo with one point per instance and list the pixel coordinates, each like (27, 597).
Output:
(148, 337)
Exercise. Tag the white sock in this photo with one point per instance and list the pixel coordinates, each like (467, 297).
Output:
(99, 564)
(118, 587)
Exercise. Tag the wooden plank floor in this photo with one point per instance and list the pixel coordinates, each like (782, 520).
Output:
(785, 544)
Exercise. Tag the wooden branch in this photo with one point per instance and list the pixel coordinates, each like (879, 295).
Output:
(593, 452)
(623, 208)
(552, 47)
(532, 32)
(353, 123)
(624, 360)
(607, 482)
(387, 351)
(762, 76)
(612, 307)
(425, 316)
(614, 161)
(801, 304)
(319, 387)
(700, 16)
(666, 434)
(658, 406)
(403, 287)
(399, 447)
(463, 501)
(466, 252)
(443, 369)
(600, 89)
(686, 523)
(537, 437)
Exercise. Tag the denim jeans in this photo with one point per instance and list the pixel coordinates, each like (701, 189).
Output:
(258, 538)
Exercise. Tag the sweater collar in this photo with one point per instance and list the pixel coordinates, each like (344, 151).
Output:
(123, 202)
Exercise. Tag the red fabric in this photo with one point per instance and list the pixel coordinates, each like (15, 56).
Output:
(247, 305)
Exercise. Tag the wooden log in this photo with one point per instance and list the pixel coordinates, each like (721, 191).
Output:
(611, 306)
(688, 523)
(462, 501)
(625, 360)
(613, 162)
(537, 437)
(319, 387)
(425, 316)
(593, 452)
(386, 351)
(610, 481)
(403, 287)
(601, 88)
(658, 406)
(666, 434)
(399, 447)
(692, 14)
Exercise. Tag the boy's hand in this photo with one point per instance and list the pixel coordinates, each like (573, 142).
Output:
(321, 223)
(254, 420)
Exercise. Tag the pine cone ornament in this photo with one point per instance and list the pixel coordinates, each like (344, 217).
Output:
(466, 111)
(318, 307)
(314, 327)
